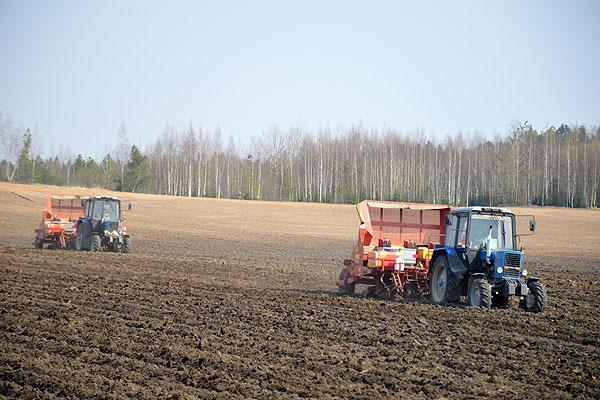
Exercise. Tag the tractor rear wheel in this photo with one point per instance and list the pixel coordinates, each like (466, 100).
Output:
(126, 246)
(480, 293)
(349, 289)
(95, 243)
(536, 297)
(443, 283)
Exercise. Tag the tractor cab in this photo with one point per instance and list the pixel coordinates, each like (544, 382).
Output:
(480, 235)
(103, 212)
(469, 228)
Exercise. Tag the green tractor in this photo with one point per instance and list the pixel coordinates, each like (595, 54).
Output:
(102, 227)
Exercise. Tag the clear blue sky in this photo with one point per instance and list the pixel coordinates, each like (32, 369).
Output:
(78, 69)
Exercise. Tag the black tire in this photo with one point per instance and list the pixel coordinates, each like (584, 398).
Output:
(536, 297)
(95, 243)
(39, 245)
(79, 238)
(443, 283)
(346, 290)
(480, 293)
(126, 246)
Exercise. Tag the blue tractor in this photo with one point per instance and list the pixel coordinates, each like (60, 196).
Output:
(102, 227)
(482, 262)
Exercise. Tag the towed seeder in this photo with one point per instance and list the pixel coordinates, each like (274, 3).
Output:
(394, 249)
(59, 219)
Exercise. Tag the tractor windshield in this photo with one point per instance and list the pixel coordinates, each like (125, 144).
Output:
(502, 231)
(110, 209)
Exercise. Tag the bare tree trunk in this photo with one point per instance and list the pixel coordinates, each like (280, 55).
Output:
(558, 173)
(123, 145)
(546, 178)
(205, 181)
(320, 170)
(259, 179)
(458, 186)
(568, 173)
(529, 164)
(574, 185)
(585, 171)
(468, 181)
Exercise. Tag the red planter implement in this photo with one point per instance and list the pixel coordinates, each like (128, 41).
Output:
(395, 245)
(58, 227)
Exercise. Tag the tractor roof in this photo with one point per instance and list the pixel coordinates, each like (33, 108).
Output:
(481, 209)
(104, 197)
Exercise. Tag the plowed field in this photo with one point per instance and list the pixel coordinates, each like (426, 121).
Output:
(237, 299)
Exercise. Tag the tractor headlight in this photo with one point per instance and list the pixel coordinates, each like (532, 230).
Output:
(524, 273)
(499, 270)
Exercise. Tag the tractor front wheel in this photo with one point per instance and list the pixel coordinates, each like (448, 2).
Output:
(536, 297)
(348, 289)
(480, 293)
(443, 285)
(126, 246)
(96, 243)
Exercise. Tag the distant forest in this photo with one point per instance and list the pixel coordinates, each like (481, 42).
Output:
(557, 167)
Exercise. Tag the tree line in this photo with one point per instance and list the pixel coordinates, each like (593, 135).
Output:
(557, 166)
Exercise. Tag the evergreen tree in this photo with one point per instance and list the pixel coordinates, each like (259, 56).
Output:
(137, 176)
(25, 165)
(108, 172)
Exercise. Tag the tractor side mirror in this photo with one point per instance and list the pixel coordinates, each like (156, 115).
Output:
(447, 220)
(82, 202)
(532, 225)
(129, 206)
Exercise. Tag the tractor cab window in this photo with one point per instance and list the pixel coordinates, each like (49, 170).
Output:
(105, 209)
(450, 239)
(456, 232)
(502, 231)
(97, 210)
(461, 233)
(110, 210)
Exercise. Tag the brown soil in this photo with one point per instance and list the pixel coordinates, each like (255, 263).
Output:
(237, 299)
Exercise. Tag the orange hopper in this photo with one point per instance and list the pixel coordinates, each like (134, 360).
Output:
(395, 245)
(59, 219)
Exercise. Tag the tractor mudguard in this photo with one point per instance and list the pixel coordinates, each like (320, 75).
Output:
(85, 226)
(476, 276)
(457, 267)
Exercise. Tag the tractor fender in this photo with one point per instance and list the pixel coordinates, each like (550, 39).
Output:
(532, 279)
(84, 225)
(476, 276)
(457, 267)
